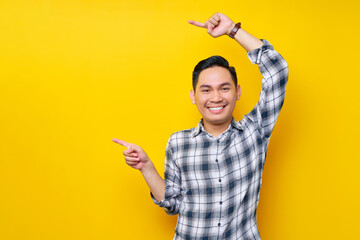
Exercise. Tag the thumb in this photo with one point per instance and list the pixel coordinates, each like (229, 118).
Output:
(121, 142)
(209, 28)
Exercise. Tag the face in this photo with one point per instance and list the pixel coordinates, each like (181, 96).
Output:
(216, 96)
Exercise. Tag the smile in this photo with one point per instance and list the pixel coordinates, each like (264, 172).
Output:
(217, 109)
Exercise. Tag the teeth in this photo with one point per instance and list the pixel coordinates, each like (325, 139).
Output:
(216, 108)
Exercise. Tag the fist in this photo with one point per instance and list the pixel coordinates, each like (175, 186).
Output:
(217, 25)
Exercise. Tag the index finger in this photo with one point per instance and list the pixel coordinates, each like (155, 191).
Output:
(121, 142)
(198, 24)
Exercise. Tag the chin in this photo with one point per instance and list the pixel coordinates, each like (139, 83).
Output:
(218, 121)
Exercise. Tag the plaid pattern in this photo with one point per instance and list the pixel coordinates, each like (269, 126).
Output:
(214, 183)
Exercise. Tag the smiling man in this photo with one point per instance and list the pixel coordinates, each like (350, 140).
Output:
(215, 93)
(213, 172)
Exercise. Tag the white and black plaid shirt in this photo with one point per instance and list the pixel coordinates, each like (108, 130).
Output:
(214, 183)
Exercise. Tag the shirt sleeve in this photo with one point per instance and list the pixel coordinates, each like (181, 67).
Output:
(274, 70)
(173, 192)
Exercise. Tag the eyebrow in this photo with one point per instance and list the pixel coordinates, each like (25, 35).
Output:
(221, 85)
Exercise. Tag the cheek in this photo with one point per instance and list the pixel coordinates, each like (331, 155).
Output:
(201, 100)
(232, 97)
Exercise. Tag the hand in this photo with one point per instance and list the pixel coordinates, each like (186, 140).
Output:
(135, 156)
(218, 25)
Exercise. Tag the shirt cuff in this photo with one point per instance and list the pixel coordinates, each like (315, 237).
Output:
(255, 54)
(159, 203)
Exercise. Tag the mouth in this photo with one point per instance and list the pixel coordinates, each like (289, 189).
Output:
(217, 109)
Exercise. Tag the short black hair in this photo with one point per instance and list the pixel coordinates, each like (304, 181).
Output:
(211, 62)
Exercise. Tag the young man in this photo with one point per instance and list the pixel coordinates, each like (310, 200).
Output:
(213, 172)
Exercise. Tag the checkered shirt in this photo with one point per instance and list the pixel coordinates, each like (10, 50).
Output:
(214, 183)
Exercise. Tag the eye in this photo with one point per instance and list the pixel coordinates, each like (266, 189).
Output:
(225, 89)
(205, 90)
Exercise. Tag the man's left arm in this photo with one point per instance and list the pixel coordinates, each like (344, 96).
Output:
(275, 71)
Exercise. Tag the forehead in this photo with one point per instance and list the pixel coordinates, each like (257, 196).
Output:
(214, 76)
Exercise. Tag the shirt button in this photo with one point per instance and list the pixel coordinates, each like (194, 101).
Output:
(219, 224)
(218, 141)
(219, 180)
(220, 202)
(216, 160)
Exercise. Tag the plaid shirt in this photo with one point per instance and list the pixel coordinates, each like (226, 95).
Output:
(214, 183)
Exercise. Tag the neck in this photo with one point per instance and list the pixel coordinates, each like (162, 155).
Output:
(216, 129)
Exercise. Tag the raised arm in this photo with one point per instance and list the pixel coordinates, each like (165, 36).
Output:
(275, 71)
(219, 25)
(272, 66)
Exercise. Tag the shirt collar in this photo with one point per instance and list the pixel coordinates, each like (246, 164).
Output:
(200, 128)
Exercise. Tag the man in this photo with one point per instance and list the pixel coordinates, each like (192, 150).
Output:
(213, 172)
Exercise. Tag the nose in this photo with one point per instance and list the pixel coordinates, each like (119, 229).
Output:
(216, 96)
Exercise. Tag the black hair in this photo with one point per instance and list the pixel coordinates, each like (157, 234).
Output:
(211, 62)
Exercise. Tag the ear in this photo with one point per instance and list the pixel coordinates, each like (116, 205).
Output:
(238, 92)
(192, 96)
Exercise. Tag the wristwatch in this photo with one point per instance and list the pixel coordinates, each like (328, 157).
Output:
(234, 30)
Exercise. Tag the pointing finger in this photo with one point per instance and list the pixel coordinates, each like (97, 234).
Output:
(198, 24)
(121, 142)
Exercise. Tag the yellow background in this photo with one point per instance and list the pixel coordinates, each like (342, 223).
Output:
(75, 74)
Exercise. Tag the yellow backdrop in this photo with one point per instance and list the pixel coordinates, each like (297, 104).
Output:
(75, 74)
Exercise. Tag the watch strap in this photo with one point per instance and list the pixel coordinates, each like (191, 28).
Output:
(234, 30)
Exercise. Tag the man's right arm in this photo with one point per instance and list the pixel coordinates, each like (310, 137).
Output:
(165, 193)
(154, 181)
(173, 189)
(137, 158)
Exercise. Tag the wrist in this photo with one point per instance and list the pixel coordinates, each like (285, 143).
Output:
(230, 28)
(234, 30)
(148, 166)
